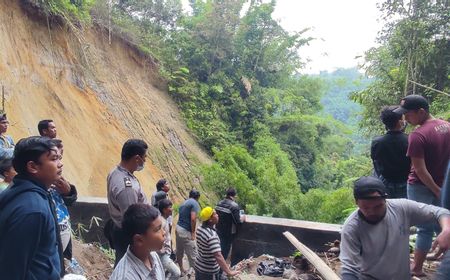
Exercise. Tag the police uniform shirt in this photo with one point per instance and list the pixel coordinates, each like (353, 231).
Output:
(124, 190)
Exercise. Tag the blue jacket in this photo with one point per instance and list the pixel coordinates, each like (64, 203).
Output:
(30, 246)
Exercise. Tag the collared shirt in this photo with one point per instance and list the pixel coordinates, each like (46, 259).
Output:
(381, 251)
(6, 146)
(124, 190)
(167, 247)
(131, 267)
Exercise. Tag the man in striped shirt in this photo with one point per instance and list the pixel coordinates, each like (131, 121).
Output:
(209, 260)
(143, 225)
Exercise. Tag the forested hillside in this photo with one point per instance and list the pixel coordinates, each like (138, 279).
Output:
(336, 100)
(235, 74)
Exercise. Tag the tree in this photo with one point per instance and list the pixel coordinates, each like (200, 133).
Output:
(413, 57)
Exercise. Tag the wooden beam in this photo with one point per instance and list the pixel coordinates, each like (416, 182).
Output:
(324, 270)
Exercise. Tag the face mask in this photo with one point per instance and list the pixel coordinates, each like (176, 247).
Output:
(140, 166)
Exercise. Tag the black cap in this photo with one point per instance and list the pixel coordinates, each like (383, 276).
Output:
(365, 186)
(412, 102)
(194, 194)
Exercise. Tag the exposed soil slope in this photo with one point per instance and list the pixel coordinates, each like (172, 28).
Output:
(99, 95)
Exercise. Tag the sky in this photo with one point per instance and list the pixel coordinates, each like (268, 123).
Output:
(344, 29)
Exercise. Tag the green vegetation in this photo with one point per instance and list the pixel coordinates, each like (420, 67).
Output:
(414, 48)
(286, 141)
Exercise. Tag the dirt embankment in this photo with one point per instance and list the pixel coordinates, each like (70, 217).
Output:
(99, 95)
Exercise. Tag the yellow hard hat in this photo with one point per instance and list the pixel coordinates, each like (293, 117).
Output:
(206, 213)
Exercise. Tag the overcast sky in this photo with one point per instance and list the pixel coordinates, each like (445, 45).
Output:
(344, 29)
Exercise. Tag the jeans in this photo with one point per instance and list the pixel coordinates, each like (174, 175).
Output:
(172, 269)
(443, 272)
(185, 244)
(395, 190)
(445, 190)
(423, 194)
(205, 276)
(121, 242)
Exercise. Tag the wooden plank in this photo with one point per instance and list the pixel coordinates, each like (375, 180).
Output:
(324, 270)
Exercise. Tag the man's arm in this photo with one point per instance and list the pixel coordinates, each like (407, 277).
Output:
(20, 243)
(374, 156)
(235, 214)
(443, 239)
(71, 197)
(350, 255)
(126, 197)
(445, 194)
(424, 175)
(193, 224)
(223, 264)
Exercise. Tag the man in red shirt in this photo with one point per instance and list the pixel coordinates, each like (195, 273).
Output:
(429, 150)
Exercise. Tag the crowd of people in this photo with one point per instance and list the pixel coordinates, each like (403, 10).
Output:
(408, 188)
(141, 235)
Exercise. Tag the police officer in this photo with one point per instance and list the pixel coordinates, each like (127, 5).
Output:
(124, 190)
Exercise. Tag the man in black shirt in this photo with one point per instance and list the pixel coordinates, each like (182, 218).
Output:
(388, 153)
(229, 218)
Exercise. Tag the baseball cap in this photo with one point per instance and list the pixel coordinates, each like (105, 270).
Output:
(412, 102)
(367, 185)
(206, 213)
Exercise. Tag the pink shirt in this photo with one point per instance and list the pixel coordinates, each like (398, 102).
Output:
(430, 141)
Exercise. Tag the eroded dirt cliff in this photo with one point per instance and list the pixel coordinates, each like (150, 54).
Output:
(99, 95)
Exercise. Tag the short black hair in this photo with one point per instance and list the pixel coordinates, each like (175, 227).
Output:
(137, 219)
(58, 143)
(163, 204)
(194, 194)
(5, 165)
(160, 184)
(133, 147)
(43, 125)
(389, 117)
(31, 149)
(231, 192)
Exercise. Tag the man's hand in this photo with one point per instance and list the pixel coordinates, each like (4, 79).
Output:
(62, 186)
(437, 193)
(442, 242)
(233, 273)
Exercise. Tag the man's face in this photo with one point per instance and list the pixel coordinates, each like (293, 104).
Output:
(168, 211)
(4, 126)
(214, 218)
(415, 117)
(49, 167)
(372, 209)
(153, 239)
(166, 187)
(50, 132)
